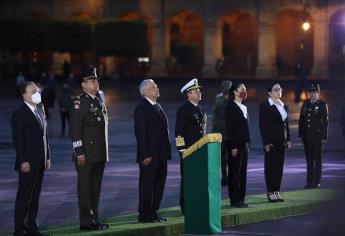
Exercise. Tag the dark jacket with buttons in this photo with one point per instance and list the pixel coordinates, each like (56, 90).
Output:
(313, 120)
(89, 128)
(190, 125)
(272, 127)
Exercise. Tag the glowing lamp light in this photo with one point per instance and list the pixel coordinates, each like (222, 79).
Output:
(306, 26)
(144, 59)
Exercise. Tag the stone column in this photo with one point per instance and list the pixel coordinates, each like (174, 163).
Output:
(211, 51)
(158, 65)
(267, 51)
(321, 41)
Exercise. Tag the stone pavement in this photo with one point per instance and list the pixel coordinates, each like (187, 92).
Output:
(120, 186)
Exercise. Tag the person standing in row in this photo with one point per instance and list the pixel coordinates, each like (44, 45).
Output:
(218, 124)
(190, 125)
(237, 129)
(153, 151)
(89, 123)
(30, 139)
(313, 130)
(275, 134)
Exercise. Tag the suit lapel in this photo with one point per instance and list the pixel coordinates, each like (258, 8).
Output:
(32, 116)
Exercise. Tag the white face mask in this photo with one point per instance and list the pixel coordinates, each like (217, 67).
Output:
(36, 98)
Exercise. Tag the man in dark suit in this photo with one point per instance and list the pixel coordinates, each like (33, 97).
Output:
(30, 139)
(89, 125)
(190, 125)
(313, 130)
(153, 151)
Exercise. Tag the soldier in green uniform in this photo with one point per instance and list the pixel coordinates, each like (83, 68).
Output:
(89, 125)
(313, 130)
(219, 123)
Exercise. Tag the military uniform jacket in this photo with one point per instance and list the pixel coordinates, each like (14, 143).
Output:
(89, 123)
(313, 120)
(219, 115)
(190, 125)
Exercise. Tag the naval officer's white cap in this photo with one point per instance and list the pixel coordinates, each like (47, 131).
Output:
(193, 84)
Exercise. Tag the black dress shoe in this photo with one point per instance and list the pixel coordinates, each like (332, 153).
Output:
(147, 220)
(160, 219)
(238, 205)
(93, 226)
(245, 205)
(103, 225)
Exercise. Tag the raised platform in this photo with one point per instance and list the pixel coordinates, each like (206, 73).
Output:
(296, 203)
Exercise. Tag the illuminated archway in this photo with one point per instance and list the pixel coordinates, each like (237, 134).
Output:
(239, 43)
(294, 44)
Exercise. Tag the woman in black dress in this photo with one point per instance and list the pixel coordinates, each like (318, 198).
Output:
(236, 122)
(275, 134)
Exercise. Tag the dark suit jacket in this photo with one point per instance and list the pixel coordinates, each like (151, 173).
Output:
(272, 127)
(190, 124)
(29, 138)
(151, 132)
(236, 126)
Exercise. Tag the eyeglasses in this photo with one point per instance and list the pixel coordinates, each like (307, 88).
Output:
(277, 90)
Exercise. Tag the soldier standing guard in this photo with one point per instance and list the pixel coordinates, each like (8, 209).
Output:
(219, 124)
(90, 144)
(313, 130)
(190, 125)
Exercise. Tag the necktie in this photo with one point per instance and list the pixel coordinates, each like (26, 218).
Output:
(38, 117)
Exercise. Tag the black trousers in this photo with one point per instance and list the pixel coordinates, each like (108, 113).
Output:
(237, 178)
(89, 188)
(313, 150)
(274, 165)
(27, 200)
(64, 119)
(224, 156)
(151, 187)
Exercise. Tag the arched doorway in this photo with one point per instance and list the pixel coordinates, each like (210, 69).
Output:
(239, 44)
(337, 44)
(186, 43)
(294, 45)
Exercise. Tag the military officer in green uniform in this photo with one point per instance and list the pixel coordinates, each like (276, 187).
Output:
(190, 124)
(218, 124)
(313, 130)
(89, 125)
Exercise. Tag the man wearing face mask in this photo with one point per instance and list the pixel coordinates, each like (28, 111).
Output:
(30, 139)
(313, 130)
(190, 125)
(89, 123)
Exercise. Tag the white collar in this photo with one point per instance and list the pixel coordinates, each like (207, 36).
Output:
(195, 104)
(32, 108)
(270, 100)
(92, 96)
(150, 101)
(243, 108)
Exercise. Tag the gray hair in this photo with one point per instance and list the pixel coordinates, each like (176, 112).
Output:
(143, 85)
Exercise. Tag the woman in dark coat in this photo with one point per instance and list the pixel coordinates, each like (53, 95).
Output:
(236, 122)
(275, 134)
